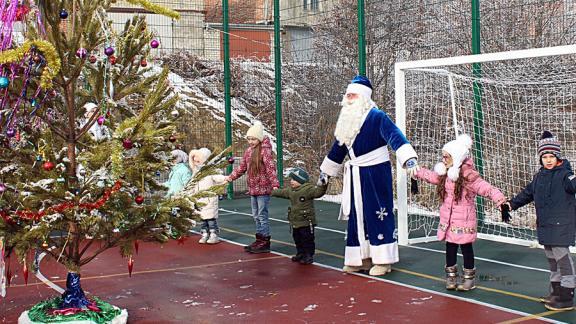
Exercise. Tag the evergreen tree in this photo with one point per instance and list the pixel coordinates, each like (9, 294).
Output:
(85, 125)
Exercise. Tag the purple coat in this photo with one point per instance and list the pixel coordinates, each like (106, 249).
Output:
(458, 218)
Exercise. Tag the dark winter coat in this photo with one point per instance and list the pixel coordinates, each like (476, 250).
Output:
(301, 211)
(553, 194)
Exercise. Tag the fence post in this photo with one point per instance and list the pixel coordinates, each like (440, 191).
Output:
(478, 115)
(361, 39)
(227, 103)
(278, 92)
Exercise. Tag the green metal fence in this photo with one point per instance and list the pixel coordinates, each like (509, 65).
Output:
(287, 62)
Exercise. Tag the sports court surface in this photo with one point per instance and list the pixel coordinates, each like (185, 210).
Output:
(193, 283)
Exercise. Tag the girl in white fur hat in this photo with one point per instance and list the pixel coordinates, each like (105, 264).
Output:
(458, 185)
(209, 212)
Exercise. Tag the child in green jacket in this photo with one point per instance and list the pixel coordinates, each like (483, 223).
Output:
(301, 214)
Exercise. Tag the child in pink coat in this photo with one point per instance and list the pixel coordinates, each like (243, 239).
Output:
(260, 168)
(458, 184)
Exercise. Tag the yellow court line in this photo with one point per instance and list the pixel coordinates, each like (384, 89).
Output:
(417, 274)
(528, 318)
(158, 270)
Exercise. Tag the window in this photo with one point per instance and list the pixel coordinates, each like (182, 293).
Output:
(314, 4)
(305, 4)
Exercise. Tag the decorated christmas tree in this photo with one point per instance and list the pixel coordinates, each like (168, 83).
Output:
(86, 128)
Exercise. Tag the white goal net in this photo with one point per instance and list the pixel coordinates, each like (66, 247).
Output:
(503, 101)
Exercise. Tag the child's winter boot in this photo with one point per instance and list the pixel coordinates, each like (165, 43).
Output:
(247, 248)
(554, 292)
(204, 237)
(451, 277)
(213, 238)
(307, 259)
(297, 257)
(468, 283)
(564, 302)
(263, 246)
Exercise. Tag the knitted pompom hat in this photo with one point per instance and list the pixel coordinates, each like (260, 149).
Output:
(256, 131)
(549, 144)
(459, 150)
(299, 175)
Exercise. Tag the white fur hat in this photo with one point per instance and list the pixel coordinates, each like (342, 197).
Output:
(256, 131)
(203, 154)
(459, 150)
(89, 108)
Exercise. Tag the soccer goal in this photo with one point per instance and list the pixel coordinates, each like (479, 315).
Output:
(503, 101)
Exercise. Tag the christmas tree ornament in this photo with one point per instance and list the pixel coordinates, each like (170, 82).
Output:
(60, 180)
(172, 138)
(63, 14)
(48, 166)
(81, 53)
(2, 187)
(100, 120)
(92, 59)
(11, 132)
(127, 143)
(25, 271)
(45, 244)
(139, 200)
(158, 173)
(4, 82)
(17, 137)
(33, 102)
(175, 113)
(130, 265)
(39, 158)
(154, 43)
(37, 59)
(109, 51)
(112, 60)
(52, 93)
(231, 160)
(143, 63)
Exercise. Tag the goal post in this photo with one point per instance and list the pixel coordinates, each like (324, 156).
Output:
(519, 94)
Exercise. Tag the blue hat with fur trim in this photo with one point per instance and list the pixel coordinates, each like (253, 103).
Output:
(360, 85)
(360, 79)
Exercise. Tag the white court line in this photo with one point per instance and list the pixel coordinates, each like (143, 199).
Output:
(408, 246)
(280, 220)
(523, 314)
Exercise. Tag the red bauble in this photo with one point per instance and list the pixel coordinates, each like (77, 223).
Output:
(139, 200)
(231, 160)
(143, 63)
(112, 59)
(92, 59)
(127, 143)
(172, 138)
(48, 166)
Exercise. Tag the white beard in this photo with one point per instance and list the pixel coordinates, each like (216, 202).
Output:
(351, 119)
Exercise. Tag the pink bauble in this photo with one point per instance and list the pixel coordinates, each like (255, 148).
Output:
(100, 120)
(154, 43)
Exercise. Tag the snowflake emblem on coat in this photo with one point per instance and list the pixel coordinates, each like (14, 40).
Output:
(382, 213)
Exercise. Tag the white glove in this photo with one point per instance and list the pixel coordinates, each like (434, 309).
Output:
(412, 167)
(322, 179)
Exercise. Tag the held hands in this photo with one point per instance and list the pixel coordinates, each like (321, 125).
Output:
(412, 167)
(322, 179)
(505, 209)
